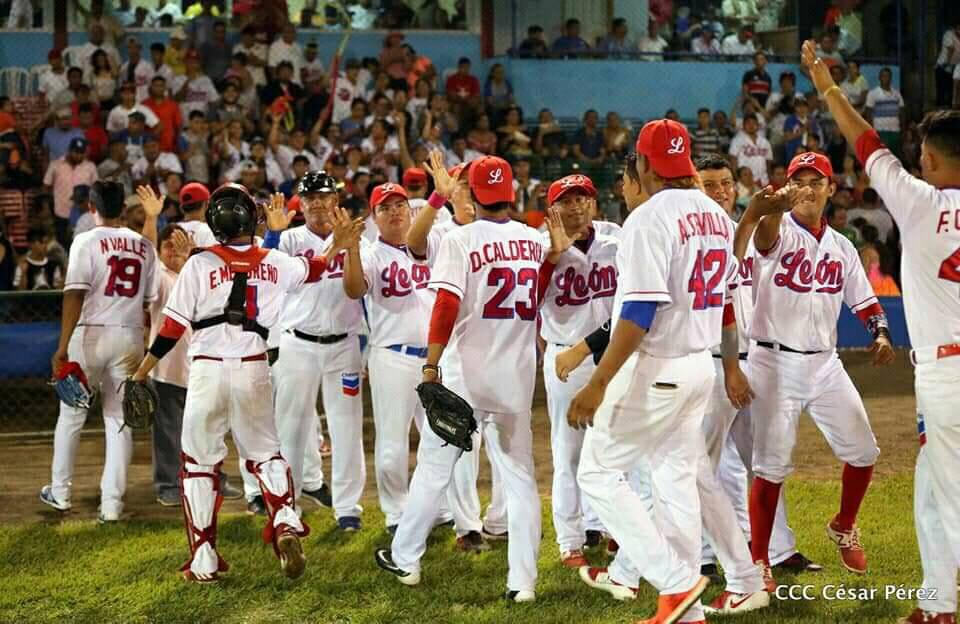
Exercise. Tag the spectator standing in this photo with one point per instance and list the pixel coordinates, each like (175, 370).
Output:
(570, 44)
(53, 80)
(739, 44)
(283, 86)
(827, 49)
(481, 138)
(165, 15)
(616, 44)
(255, 52)
(535, 45)
(119, 117)
(463, 90)
(395, 60)
(884, 109)
(167, 112)
(312, 70)
(21, 14)
(202, 22)
(752, 150)
(36, 270)
(115, 167)
(459, 151)
(157, 65)
(855, 86)
(63, 174)
(705, 139)
(195, 148)
(133, 136)
(137, 70)
(498, 92)
(103, 80)
(287, 148)
(797, 128)
(195, 91)
(215, 54)
(706, 43)
(286, 49)
(757, 81)
(588, 142)
(616, 136)
(65, 97)
(352, 128)
(82, 55)
(947, 61)
(152, 168)
(97, 138)
(175, 56)
(513, 139)
(651, 45)
(58, 138)
(348, 89)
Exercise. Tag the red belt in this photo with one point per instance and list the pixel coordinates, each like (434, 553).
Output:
(249, 358)
(945, 351)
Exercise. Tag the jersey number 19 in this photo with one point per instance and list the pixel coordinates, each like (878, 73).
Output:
(124, 278)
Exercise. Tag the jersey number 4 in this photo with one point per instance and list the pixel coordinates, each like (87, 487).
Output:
(950, 268)
(124, 278)
(712, 263)
(508, 280)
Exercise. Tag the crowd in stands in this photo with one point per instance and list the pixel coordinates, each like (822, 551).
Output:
(213, 105)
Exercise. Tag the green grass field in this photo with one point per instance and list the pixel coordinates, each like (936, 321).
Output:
(78, 571)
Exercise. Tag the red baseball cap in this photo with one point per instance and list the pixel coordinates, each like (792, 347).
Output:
(810, 160)
(193, 193)
(457, 171)
(666, 144)
(384, 192)
(491, 180)
(55, 53)
(415, 176)
(192, 54)
(570, 183)
(293, 204)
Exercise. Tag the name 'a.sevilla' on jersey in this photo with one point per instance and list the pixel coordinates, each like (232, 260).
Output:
(493, 268)
(579, 298)
(676, 250)
(801, 283)
(320, 308)
(118, 270)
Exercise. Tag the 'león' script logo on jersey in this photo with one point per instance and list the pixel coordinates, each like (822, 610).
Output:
(578, 289)
(399, 283)
(676, 145)
(807, 159)
(799, 273)
(496, 176)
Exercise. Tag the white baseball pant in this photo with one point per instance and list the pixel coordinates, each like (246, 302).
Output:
(510, 447)
(787, 383)
(108, 356)
(652, 413)
(936, 502)
(572, 516)
(300, 371)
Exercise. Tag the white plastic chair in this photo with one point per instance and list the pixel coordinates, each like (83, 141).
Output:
(35, 72)
(14, 81)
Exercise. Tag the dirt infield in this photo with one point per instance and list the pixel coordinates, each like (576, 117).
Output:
(888, 394)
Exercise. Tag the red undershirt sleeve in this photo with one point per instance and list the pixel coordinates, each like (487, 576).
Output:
(867, 144)
(445, 311)
(729, 316)
(543, 279)
(315, 268)
(171, 328)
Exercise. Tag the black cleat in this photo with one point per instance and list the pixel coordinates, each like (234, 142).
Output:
(255, 506)
(385, 561)
(797, 563)
(320, 496)
(594, 539)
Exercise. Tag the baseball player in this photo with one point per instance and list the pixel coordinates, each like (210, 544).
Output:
(319, 346)
(194, 198)
(228, 294)
(803, 272)
(111, 277)
(927, 212)
(728, 446)
(578, 299)
(482, 339)
(675, 259)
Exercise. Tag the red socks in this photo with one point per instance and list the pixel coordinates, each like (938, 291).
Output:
(855, 482)
(763, 507)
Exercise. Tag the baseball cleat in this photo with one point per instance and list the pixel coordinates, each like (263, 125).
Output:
(919, 616)
(852, 555)
(444, 524)
(594, 539)
(573, 559)
(797, 563)
(203, 579)
(292, 560)
(671, 607)
(385, 561)
(169, 498)
(320, 496)
(104, 517)
(47, 498)
(494, 537)
(256, 507)
(769, 583)
(521, 596)
(230, 492)
(599, 578)
(472, 542)
(349, 524)
(729, 603)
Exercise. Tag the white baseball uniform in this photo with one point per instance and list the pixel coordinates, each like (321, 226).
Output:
(116, 269)
(230, 389)
(676, 251)
(320, 347)
(492, 267)
(799, 286)
(929, 222)
(199, 232)
(578, 300)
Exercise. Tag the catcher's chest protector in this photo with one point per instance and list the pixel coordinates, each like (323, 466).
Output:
(235, 312)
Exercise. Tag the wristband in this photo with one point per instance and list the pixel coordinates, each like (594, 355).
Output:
(830, 90)
(436, 200)
(432, 367)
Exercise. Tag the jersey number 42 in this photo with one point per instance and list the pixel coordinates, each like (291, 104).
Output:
(708, 271)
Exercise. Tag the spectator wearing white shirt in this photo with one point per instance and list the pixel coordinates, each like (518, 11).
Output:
(153, 166)
(165, 15)
(739, 43)
(82, 55)
(651, 45)
(195, 90)
(348, 89)
(137, 70)
(751, 149)
(54, 79)
(256, 54)
(706, 44)
(884, 109)
(286, 48)
(119, 117)
(459, 152)
(947, 60)
(285, 149)
(855, 86)
(312, 69)
(740, 10)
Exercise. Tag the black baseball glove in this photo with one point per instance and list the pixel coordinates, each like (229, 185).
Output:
(139, 404)
(450, 417)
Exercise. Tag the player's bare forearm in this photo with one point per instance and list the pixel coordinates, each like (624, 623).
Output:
(624, 341)
(149, 361)
(150, 230)
(420, 230)
(850, 122)
(745, 229)
(765, 236)
(353, 283)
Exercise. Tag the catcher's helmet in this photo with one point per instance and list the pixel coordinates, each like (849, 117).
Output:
(232, 213)
(317, 182)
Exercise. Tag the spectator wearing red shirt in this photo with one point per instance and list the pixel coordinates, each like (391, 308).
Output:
(96, 136)
(85, 96)
(463, 89)
(167, 111)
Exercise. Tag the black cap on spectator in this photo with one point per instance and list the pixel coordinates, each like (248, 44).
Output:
(137, 116)
(535, 29)
(788, 74)
(301, 158)
(158, 47)
(257, 140)
(78, 145)
(463, 61)
(312, 44)
(352, 63)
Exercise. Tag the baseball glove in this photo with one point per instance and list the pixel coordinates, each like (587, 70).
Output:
(71, 386)
(450, 417)
(139, 404)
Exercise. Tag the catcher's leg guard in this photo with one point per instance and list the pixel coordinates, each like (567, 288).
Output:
(200, 494)
(284, 526)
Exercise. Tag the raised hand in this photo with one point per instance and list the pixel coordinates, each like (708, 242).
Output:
(442, 181)
(819, 72)
(346, 231)
(152, 203)
(182, 242)
(278, 219)
(559, 240)
(766, 201)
